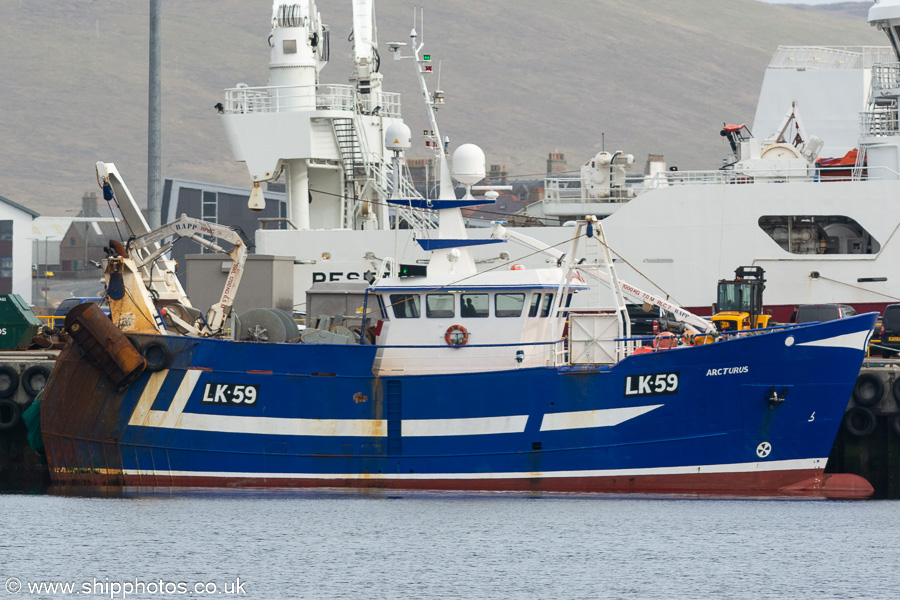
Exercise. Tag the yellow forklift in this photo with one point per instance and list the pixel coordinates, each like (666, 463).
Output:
(739, 303)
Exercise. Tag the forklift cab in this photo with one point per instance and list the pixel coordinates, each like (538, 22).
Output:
(739, 302)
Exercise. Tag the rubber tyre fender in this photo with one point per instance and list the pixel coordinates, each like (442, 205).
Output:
(859, 422)
(134, 342)
(894, 425)
(9, 381)
(31, 378)
(868, 390)
(895, 390)
(10, 414)
(157, 355)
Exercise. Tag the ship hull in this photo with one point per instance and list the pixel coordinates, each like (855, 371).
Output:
(756, 415)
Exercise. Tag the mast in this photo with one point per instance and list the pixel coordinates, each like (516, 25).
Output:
(154, 126)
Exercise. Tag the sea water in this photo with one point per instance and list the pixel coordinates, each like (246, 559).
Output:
(336, 544)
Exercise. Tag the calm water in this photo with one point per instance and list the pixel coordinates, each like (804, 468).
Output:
(433, 545)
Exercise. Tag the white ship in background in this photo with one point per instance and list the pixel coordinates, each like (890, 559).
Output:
(821, 234)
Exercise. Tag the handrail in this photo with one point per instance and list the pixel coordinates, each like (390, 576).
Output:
(570, 190)
(286, 98)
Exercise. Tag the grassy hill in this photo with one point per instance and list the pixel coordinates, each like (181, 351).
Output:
(522, 79)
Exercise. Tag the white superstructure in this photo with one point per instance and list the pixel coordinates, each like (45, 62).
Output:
(823, 235)
(326, 139)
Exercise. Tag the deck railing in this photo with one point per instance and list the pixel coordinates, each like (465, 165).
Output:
(569, 190)
(831, 57)
(243, 99)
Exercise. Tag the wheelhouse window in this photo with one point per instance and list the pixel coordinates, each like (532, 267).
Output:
(535, 305)
(439, 306)
(475, 305)
(548, 302)
(406, 306)
(509, 305)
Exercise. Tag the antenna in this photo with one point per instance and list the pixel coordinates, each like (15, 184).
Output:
(602, 142)
(438, 86)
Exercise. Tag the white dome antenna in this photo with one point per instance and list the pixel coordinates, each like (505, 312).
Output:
(398, 137)
(468, 166)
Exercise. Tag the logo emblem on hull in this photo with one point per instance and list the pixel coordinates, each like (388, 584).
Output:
(763, 449)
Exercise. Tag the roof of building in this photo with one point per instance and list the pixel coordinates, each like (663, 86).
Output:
(55, 228)
(99, 232)
(19, 206)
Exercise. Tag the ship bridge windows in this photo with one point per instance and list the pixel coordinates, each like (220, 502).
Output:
(475, 305)
(439, 306)
(406, 306)
(509, 305)
(819, 234)
(535, 305)
(548, 302)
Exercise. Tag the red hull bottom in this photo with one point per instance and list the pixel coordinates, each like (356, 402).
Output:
(809, 482)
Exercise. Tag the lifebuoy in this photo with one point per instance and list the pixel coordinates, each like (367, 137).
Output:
(859, 422)
(868, 390)
(34, 379)
(157, 355)
(9, 381)
(665, 341)
(10, 414)
(456, 335)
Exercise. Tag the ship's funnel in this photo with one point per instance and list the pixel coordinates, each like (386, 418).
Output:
(885, 15)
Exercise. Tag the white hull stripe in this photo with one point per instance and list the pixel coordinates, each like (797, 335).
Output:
(276, 426)
(475, 426)
(168, 419)
(761, 467)
(175, 418)
(584, 419)
(855, 341)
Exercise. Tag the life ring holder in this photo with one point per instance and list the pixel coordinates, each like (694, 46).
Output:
(456, 335)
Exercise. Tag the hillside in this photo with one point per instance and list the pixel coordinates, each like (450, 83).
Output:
(520, 80)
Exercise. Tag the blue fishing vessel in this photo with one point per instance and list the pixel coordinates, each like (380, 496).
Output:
(442, 376)
(448, 379)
